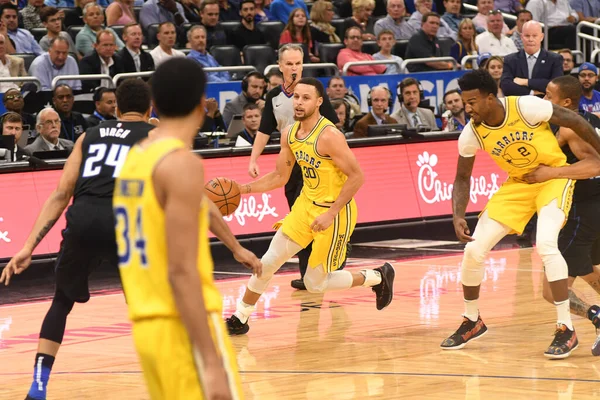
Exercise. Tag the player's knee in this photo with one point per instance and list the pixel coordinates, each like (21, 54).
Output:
(474, 253)
(314, 285)
(62, 303)
(472, 268)
(546, 246)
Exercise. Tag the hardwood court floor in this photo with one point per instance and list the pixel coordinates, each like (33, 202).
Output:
(338, 346)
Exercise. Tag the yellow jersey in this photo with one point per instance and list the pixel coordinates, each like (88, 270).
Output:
(517, 146)
(142, 242)
(323, 180)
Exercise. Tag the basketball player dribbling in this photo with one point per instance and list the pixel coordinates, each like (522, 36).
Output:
(516, 134)
(324, 214)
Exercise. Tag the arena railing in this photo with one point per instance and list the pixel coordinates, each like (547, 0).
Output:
(466, 59)
(90, 77)
(240, 68)
(405, 63)
(24, 79)
(308, 66)
(351, 64)
(583, 37)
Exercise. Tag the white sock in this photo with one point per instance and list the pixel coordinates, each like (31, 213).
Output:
(563, 313)
(472, 309)
(372, 277)
(243, 311)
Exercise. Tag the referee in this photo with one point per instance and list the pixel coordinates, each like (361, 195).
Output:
(278, 114)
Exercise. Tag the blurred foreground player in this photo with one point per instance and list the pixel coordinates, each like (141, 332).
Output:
(162, 220)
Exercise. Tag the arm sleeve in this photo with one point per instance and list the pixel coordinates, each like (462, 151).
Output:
(327, 110)
(467, 142)
(83, 43)
(534, 109)
(268, 123)
(37, 50)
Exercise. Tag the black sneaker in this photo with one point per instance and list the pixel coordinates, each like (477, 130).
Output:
(298, 284)
(385, 290)
(565, 341)
(467, 331)
(235, 326)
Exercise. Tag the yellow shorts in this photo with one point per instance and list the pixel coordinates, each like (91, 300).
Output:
(172, 366)
(516, 202)
(329, 246)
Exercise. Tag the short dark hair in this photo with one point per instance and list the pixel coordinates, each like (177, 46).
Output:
(61, 85)
(133, 95)
(58, 39)
(8, 6)
(99, 92)
(206, 3)
(337, 103)
(449, 92)
(250, 106)
(47, 12)
(406, 82)
(569, 88)
(429, 14)
(524, 11)
(314, 83)
(178, 86)
(130, 25)
(246, 1)
(11, 117)
(104, 32)
(335, 78)
(274, 72)
(479, 79)
(349, 29)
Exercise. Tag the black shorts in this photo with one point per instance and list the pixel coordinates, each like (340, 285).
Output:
(579, 240)
(88, 241)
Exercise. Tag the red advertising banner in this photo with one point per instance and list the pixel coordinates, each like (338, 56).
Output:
(404, 181)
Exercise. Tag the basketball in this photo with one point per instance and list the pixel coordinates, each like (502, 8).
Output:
(225, 193)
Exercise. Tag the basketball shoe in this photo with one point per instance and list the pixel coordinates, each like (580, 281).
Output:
(593, 315)
(235, 326)
(384, 292)
(565, 341)
(467, 331)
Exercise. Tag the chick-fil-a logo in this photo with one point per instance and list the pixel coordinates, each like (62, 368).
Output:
(433, 190)
(250, 208)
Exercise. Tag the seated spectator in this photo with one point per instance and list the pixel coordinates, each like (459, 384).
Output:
(120, 12)
(94, 20)
(253, 91)
(274, 79)
(352, 52)
(568, 60)
(586, 10)
(508, 6)
(495, 66)
(12, 125)
(247, 33)
(361, 18)
(75, 17)
(167, 36)
(10, 66)
(380, 97)
(342, 110)
(228, 11)
(197, 41)
(106, 105)
(281, 9)
(416, 19)
(385, 41)
(134, 58)
(321, 30)
(590, 98)
(30, 15)
(209, 18)
(72, 123)
(159, 11)
(465, 42)
(452, 15)
(52, 20)
(337, 90)
(49, 127)
(458, 118)
(191, 10)
(424, 44)
(214, 120)
(493, 41)
(298, 31)
(394, 21)
(263, 13)
(251, 116)
(410, 114)
(522, 17)
(23, 40)
(484, 8)
(561, 21)
(55, 62)
(13, 101)
(101, 61)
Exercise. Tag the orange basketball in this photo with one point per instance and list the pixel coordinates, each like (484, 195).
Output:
(225, 193)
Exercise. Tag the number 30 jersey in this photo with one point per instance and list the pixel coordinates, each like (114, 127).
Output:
(104, 150)
(322, 179)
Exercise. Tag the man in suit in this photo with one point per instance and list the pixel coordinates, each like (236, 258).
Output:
(134, 58)
(12, 125)
(106, 105)
(410, 114)
(48, 126)
(101, 61)
(529, 71)
(380, 102)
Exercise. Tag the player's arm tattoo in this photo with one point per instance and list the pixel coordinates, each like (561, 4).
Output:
(44, 231)
(462, 186)
(578, 306)
(570, 119)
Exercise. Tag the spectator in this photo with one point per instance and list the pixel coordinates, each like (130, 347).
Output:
(214, 120)
(251, 116)
(197, 41)
(281, 9)
(31, 14)
(530, 70)
(465, 42)
(209, 12)
(590, 98)
(483, 59)
(262, 11)
(352, 52)
(561, 20)
(10, 66)
(12, 125)
(342, 110)
(494, 41)
(159, 11)
(72, 123)
(166, 41)
(94, 20)
(380, 99)
(48, 125)
(522, 17)
(568, 61)
(298, 31)
(120, 12)
(458, 118)
(106, 105)
(60, 3)
(134, 58)
(337, 90)
(394, 21)
(452, 15)
(253, 91)
(228, 11)
(101, 61)
(508, 6)
(586, 10)
(495, 66)
(484, 8)
(191, 10)
(22, 38)
(416, 19)
(321, 30)
(410, 114)
(75, 17)
(13, 101)
(274, 79)
(362, 19)
(247, 33)
(424, 44)
(55, 62)
(52, 20)
(385, 41)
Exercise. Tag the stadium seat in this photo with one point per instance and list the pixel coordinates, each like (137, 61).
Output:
(229, 27)
(73, 31)
(71, 14)
(259, 56)
(151, 37)
(226, 55)
(136, 11)
(38, 33)
(446, 44)
(399, 48)
(27, 57)
(272, 31)
(118, 30)
(329, 52)
(370, 47)
(338, 24)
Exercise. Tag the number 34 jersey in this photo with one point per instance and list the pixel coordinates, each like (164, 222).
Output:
(104, 150)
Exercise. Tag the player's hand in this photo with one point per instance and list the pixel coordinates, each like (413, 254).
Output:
(253, 170)
(248, 260)
(19, 263)
(260, 103)
(216, 383)
(541, 173)
(462, 230)
(322, 222)
(212, 107)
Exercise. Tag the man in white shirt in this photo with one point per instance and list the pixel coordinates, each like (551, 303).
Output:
(494, 41)
(167, 36)
(561, 21)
